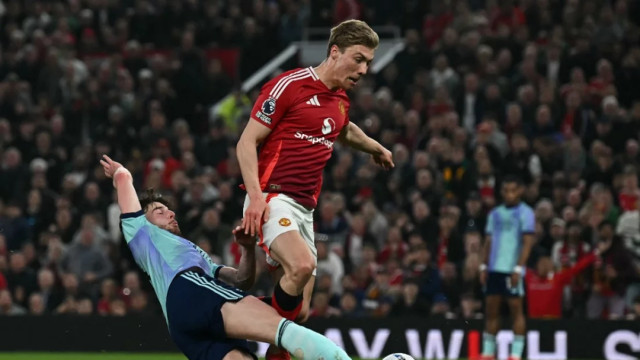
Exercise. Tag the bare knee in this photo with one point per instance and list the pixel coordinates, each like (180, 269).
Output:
(237, 355)
(301, 272)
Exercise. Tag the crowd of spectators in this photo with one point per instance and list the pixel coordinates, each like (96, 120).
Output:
(544, 89)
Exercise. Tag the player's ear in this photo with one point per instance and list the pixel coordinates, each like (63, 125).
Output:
(334, 52)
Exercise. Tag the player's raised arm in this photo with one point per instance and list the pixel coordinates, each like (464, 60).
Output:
(353, 136)
(123, 182)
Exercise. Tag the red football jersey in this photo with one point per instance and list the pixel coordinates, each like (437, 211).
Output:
(305, 118)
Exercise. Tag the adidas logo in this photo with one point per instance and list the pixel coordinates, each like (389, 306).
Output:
(314, 101)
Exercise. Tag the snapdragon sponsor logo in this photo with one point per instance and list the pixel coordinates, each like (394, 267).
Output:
(314, 140)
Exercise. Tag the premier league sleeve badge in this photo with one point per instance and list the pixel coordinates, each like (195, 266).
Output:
(269, 106)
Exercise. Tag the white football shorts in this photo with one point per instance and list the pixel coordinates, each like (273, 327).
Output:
(285, 214)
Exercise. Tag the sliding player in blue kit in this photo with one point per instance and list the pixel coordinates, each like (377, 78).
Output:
(208, 317)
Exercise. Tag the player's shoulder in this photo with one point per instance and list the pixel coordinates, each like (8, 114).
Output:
(133, 216)
(524, 207)
(288, 73)
(133, 222)
(292, 79)
(496, 209)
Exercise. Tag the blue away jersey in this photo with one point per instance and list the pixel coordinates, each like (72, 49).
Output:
(162, 254)
(506, 226)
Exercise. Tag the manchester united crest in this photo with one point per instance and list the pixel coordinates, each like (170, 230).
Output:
(341, 107)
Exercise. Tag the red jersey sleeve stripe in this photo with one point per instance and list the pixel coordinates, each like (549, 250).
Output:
(285, 81)
(269, 169)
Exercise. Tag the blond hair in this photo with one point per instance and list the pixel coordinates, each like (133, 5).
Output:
(352, 32)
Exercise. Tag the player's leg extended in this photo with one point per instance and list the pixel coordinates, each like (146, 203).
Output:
(252, 319)
(519, 326)
(492, 312)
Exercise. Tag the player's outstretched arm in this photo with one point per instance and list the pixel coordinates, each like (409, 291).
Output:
(353, 136)
(245, 275)
(123, 182)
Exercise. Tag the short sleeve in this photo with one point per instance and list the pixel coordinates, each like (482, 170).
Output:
(528, 221)
(131, 223)
(488, 229)
(273, 102)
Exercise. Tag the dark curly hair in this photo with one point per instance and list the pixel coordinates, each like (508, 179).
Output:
(150, 196)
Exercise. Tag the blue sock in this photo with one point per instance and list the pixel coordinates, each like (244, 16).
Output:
(488, 344)
(517, 346)
(306, 344)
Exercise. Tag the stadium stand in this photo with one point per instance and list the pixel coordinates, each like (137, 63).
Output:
(544, 89)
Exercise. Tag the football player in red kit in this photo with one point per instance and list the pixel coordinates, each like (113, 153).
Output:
(296, 120)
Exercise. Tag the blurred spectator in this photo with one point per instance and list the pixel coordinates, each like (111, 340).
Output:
(395, 248)
(108, 293)
(349, 306)
(448, 246)
(635, 309)
(611, 276)
(13, 175)
(7, 307)
(470, 307)
(441, 307)
(118, 308)
(21, 279)
(469, 103)
(14, 225)
(84, 306)
(378, 296)
(210, 228)
(355, 241)
(130, 285)
(49, 292)
(451, 286)
(544, 287)
(410, 303)
(3, 281)
(320, 306)
(140, 304)
(36, 304)
(329, 263)
(565, 255)
(86, 260)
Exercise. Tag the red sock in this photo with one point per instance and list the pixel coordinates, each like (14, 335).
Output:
(288, 306)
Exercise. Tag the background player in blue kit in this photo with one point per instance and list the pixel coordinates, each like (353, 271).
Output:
(208, 317)
(509, 237)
